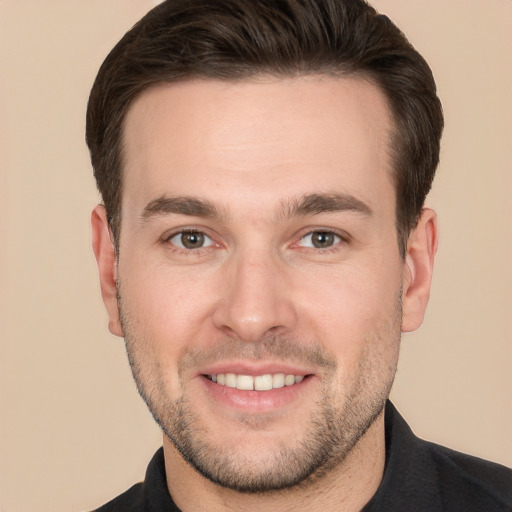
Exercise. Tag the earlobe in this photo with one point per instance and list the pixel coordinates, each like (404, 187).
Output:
(104, 252)
(419, 264)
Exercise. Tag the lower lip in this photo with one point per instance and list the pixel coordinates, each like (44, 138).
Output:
(256, 401)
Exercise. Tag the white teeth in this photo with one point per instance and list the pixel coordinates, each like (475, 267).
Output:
(259, 383)
(263, 382)
(278, 380)
(289, 380)
(245, 382)
(230, 380)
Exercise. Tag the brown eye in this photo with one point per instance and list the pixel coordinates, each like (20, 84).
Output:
(190, 240)
(320, 239)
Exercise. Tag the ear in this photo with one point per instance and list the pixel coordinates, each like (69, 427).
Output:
(419, 264)
(104, 251)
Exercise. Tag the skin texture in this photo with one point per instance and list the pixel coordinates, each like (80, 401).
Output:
(260, 168)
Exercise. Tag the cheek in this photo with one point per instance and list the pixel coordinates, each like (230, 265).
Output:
(353, 312)
(167, 311)
(353, 295)
(159, 325)
(166, 300)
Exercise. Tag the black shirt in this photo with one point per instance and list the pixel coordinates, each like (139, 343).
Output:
(419, 477)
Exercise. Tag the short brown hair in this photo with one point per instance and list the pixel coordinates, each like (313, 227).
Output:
(236, 39)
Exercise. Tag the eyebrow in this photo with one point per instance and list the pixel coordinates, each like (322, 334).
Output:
(314, 204)
(180, 205)
(310, 204)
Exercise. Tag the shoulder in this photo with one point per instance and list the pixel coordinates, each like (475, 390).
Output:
(482, 484)
(131, 500)
(151, 495)
(421, 476)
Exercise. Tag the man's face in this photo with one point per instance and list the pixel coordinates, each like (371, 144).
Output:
(258, 249)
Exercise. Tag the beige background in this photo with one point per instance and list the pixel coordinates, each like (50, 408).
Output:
(74, 433)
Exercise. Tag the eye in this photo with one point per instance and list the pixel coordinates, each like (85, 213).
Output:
(190, 240)
(320, 240)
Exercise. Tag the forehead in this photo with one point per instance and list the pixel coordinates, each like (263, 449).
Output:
(257, 140)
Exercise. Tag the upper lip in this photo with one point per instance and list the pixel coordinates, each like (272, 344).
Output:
(245, 368)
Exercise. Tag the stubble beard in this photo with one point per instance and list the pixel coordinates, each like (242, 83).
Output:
(329, 437)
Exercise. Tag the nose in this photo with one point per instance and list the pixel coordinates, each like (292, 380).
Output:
(256, 299)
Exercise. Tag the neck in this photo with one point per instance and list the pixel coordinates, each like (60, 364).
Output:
(346, 488)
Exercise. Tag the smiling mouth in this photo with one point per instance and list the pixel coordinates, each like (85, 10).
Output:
(258, 383)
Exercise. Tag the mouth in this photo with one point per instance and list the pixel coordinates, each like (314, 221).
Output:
(253, 390)
(265, 382)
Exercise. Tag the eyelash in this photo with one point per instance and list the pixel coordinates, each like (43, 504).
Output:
(184, 250)
(342, 239)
